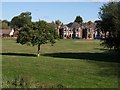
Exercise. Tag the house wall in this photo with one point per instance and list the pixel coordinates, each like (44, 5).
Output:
(90, 33)
(68, 33)
(86, 33)
(5, 35)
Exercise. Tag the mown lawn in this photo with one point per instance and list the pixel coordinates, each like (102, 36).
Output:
(69, 63)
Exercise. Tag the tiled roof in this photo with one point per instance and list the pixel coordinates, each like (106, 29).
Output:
(73, 25)
(6, 31)
(91, 26)
(53, 24)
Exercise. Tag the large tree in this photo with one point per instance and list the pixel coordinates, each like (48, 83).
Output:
(110, 22)
(78, 19)
(39, 33)
(21, 20)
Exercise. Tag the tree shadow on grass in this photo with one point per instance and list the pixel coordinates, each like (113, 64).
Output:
(18, 54)
(106, 57)
(103, 49)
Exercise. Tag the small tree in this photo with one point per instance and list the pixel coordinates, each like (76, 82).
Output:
(40, 33)
(78, 19)
(58, 22)
(89, 22)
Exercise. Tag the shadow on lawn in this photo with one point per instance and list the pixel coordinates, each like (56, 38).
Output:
(107, 57)
(18, 54)
(102, 49)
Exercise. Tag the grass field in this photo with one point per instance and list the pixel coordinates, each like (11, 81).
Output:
(69, 63)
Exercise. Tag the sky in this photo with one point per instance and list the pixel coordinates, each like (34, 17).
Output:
(66, 12)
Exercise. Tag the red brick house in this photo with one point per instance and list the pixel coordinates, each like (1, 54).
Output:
(9, 33)
(6, 32)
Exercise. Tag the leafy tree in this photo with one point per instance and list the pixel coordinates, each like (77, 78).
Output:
(89, 22)
(5, 21)
(98, 24)
(4, 25)
(40, 33)
(110, 22)
(78, 19)
(99, 27)
(21, 20)
(58, 22)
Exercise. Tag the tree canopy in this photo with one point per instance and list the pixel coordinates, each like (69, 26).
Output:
(89, 22)
(78, 19)
(21, 20)
(58, 22)
(39, 33)
(4, 24)
(110, 22)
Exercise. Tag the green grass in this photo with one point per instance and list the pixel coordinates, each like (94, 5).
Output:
(69, 63)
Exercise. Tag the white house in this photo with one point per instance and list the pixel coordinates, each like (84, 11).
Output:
(12, 32)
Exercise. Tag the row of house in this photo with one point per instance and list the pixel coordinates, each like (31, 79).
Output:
(77, 31)
(72, 30)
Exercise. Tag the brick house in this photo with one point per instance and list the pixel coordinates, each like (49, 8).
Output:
(9, 33)
(72, 30)
(6, 32)
(78, 31)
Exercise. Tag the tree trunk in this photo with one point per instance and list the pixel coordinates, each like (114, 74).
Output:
(38, 54)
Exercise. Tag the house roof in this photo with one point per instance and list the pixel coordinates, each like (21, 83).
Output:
(53, 24)
(6, 31)
(73, 25)
(91, 26)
